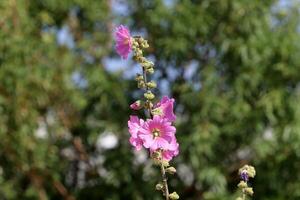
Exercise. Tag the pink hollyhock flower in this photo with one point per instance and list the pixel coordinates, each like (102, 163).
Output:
(123, 41)
(134, 125)
(165, 108)
(157, 133)
(171, 151)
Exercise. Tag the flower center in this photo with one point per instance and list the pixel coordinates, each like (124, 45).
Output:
(126, 41)
(156, 133)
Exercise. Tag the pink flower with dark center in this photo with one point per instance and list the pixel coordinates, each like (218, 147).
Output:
(164, 108)
(157, 133)
(123, 41)
(135, 124)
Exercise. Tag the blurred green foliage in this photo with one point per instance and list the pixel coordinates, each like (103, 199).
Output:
(233, 67)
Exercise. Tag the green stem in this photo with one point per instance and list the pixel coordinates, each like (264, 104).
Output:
(165, 181)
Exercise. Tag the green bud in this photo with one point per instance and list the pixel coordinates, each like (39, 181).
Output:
(156, 155)
(159, 186)
(174, 196)
(135, 44)
(139, 77)
(239, 198)
(140, 40)
(150, 70)
(141, 84)
(171, 170)
(147, 64)
(165, 163)
(249, 191)
(251, 171)
(145, 44)
(142, 60)
(151, 84)
(242, 184)
(149, 95)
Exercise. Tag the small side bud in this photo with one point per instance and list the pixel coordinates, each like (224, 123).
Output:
(149, 95)
(242, 184)
(174, 196)
(159, 186)
(165, 163)
(136, 105)
(239, 198)
(141, 84)
(150, 70)
(139, 77)
(171, 170)
(151, 84)
(249, 191)
(156, 155)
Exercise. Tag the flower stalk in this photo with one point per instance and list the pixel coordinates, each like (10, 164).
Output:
(245, 173)
(156, 133)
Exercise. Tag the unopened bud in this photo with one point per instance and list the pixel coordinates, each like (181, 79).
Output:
(149, 95)
(242, 184)
(171, 170)
(150, 70)
(151, 84)
(139, 77)
(165, 163)
(249, 191)
(156, 155)
(141, 84)
(159, 186)
(136, 105)
(145, 44)
(174, 196)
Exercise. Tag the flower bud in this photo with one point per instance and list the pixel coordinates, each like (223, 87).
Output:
(171, 170)
(159, 186)
(136, 105)
(150, 70)
(141, 84)
(145, 44)
(249, 191)
(251, 171)
(239, 198)
(174, 196)
(135, 43)
(156, 155)
(139, 77)
(151, 84)
(242, 184)
(165, 163)
(149, 95)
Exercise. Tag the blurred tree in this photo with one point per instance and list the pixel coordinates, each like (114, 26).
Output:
(233, 67)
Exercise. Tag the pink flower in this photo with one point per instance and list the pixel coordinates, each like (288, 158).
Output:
(157, 133)
(134, 125)
(123, 41)
(165, 108)
(171, 151)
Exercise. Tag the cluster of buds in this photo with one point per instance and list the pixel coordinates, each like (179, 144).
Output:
(156, 133)
(245, 173)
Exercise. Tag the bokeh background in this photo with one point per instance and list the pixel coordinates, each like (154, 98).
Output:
(233, 67)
